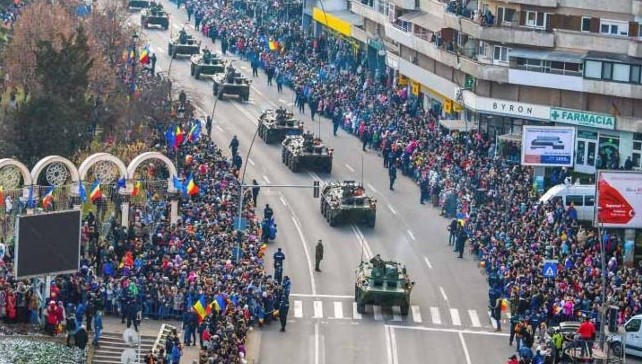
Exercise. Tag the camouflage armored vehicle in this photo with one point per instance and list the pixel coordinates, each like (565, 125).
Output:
(153, 15)
(183, 44)
(275, 125)
(347, 201)
(306, 151)
(138, 4)
(206, 63)
(382, 283)
(231, 83)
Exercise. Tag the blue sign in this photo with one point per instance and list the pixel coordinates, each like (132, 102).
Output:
(242, 225)
(550, 268)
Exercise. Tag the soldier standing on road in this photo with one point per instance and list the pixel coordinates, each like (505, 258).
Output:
(234, 145)
(278, 257)
(461, 242)
(318, 255)
(255, 191)
(153, 64)
(283, 312)
(392, 173)
(208, 126)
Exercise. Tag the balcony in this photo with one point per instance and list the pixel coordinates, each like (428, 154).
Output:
(636, 8)
(616, 89)
(613, 6)
(368, 12)
(545, 80)
(405, 4)
(542, 3)
(635, 48)
(593, 42)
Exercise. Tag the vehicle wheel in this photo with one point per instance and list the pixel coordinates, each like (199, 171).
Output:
(361, 308)
(372, 221)
(328, 168)
(246, 97)
(191, 70)
(322, 207)
(404, 309)
(282, 155)
(197, 75)
(333, 221)
(170, 51)
(356, 293)
(295, 166)
(220, 94)
(616, 349)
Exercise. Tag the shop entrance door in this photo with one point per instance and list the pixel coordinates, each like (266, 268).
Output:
(586, 152)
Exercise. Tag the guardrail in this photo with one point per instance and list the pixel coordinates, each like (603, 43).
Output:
(163, 333)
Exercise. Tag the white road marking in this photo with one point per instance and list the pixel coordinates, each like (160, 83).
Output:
(453, 331)
(251, 161)
(283, 201)
(463, 344)
(316, 343)
(454, 316)
(386, 334)
(376, 310)
(307, 255)
(434, 315)
(392, 209)
(362, 240)
(474, 318)
(218, 127)
(393, 342)
(248, 115)
(266, 179)
(338, 310)
(318, 309)
(355, 314)
(428, 262)
(396, 313)
(493, 322)
(319, 295)
(314, 176)
(371, 187)
(416, 313)
(412, 236)
(443, 293)
(283, 101)
(298, 308)
(350, 168)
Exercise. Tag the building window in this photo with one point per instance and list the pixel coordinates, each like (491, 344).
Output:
(534, 19)
(501, 53)
(621, 72)
(392, 15)
(593, 69)
(614, 27)
(636, 156)
(607, 71)
(506, 15)
(635, 74)
(586, 24)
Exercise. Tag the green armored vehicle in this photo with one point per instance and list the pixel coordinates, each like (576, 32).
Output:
(231, 83)
(183, 44)
(275, 125)
(138, 4)
(154, 15)
(206, 63)
(347, 201)
(382, 283)
(306, 151)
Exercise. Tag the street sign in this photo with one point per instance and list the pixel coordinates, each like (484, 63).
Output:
(550, 268)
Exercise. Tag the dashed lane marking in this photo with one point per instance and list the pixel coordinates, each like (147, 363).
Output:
(454, 316)
(350, 168)
(443, 293)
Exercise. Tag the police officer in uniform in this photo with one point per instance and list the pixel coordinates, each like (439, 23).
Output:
(284, 307)
(268, 212)
(278, 257)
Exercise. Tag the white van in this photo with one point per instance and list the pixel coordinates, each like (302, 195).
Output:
(582, 197)
(631, 340)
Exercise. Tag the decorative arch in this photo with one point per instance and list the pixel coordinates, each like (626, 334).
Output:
(37, 169)
(133, 165)
(26, 175)
(101, 157)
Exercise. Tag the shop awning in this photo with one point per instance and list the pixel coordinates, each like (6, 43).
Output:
(458, 124)
(340, 21)
(515, 138)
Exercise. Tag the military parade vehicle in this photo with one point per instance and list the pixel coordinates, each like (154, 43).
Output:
(138, 4)
(154, 15)
(206, 63)
(183, 44)
(231, 83)
(275, 125)
(347, 201)
(306, 151)
(382, 283)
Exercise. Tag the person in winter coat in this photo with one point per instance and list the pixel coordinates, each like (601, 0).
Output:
(51, 318)
(81, 338)
(11, 306)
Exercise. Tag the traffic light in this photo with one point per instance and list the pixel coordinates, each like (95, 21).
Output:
(316, 189)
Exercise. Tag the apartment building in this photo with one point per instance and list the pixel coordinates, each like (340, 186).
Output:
(502, 64)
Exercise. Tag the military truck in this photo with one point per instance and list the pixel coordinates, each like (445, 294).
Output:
(306, 151)
(138, 4)
(231, 83)
(183, 44)
(206, 63)
(154, 15)
(347, 201)
(382, 283)
(275, 125)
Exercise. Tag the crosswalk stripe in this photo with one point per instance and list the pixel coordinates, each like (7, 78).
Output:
(474, 318)
(298, 309)
(355, 315)
(434, 315)
(396, 313)
(338, 310)
(454, 315)
(377, 313)
(416, 313)
(318, 309)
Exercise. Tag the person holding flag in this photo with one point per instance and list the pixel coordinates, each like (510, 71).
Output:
(47, 201)
(194, 132)
(94, 191)
(191, 188)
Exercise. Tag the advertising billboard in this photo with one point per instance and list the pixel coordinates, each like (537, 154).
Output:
(551, 146)
(619, 199)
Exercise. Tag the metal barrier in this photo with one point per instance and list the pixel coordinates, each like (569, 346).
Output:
(164, 332)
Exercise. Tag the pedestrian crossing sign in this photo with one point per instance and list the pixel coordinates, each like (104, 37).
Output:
(550, 268)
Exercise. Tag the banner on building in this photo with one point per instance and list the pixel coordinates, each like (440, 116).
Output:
(619, 199)
(550, 146)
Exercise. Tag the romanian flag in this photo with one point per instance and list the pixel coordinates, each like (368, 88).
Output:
(137, 188)
(1, 195)
(94, 191)
(194, 132)
(191, 188)
(144, 56)
(201, 308)
(178, 137)
(48, 199)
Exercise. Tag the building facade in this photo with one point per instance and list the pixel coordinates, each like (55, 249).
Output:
(502, 64)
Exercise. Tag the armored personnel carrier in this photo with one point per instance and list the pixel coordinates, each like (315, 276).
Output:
(206, 63)
(306, 151)
(138, 4)
(183, 44)
(275, 125)
(382, 283)
(347, 201)
(153, 15)
(231, 83)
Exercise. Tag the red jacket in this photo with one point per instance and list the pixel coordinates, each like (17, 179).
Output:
(586, 330)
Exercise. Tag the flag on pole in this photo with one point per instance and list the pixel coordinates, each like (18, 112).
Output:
(137, 187)
(94, 191)
(48, 199)
(1, 196)
(144, 55)
(81, 192)
(194, 132)
(191, 188)
(201, 308)
(179, 136)
(31, 203)
(178, 184)
(121, 183)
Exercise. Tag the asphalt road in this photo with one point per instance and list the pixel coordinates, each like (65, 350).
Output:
(448, 322)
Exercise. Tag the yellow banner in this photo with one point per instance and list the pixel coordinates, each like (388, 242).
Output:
(414, 88)
(332, 22)
(403, 80)
(448, 106)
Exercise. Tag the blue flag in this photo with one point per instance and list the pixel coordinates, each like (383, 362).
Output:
(221, 302)
(31, 203)
(170, 137)
(121, 183)
(81, 192)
